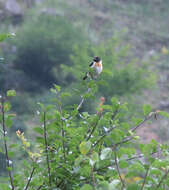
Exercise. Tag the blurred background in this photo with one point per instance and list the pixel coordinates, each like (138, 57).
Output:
(55, 41)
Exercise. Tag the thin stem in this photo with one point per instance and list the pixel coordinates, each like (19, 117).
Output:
(138, 156)
(93, 178)
(46, 148)
(30, 178)
(118, 170)
(135, 128)
(63, 133)
(93, 129)
(102, 137)
(145, 178)
(5, 144)
(82, 100)
(145, 119)
(124, 141)
(40, 186)
(162, 179)
(63, 142)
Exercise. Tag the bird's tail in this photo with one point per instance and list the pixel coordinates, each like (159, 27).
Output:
(85, 77)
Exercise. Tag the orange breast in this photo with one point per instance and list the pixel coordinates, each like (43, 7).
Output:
(98, 64)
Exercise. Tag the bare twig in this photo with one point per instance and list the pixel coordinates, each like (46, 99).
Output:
(129, 138)
(5, 144)
(145, 178)
(162, 179)
(145, 119)
(46, 147)
(40, 187)
(82, 100)
(139, 156)
(118, 170)
(30, 178)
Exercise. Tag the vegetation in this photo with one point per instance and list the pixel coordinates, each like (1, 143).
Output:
(86, 151)
(79, 140)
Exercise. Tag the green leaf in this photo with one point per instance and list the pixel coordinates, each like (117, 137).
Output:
(86, 187)
(79, 160)
(107, 107)
(104, 185)
(58, 88)
(65, 94)
(94, 158)
(137, 167)
(4, 36)
(40, 140)
(85, 171)
(147, 109)
(38, 130)
(7, 106)
(133, 187)
(113, 185)
(85, 147)
(106, 153)
(164, 114)
(4, 186)
(11, 154)
(123, 164)
(11, 93)
(126, 151)
(13, 145)
(8, 122)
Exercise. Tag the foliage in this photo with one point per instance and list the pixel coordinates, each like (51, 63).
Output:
(87, 151)
(42, 44)
(122, 75)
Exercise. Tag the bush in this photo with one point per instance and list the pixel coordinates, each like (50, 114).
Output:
(42, 44)
(87, 151)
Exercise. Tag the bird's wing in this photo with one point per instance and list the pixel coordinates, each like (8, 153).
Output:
(91, 64)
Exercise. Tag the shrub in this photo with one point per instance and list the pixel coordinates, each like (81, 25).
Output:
(42, 44)
(87, 151)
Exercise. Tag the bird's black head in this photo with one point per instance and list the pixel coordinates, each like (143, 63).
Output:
(96, 59)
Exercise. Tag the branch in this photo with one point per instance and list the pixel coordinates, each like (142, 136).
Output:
(94, 128)
(145, 119)
(118, 170)
(30, 178)
(145, 178)
(46, 148)
(63, 133)
(107, 133)
(82, 100)
(162, 179)
(135, 128)
(139, 156)
(40, 186)
(102, 137)
(63, 142)
(132, 158)
(5, 144)
(93, 178)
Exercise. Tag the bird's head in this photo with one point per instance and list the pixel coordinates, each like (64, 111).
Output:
(96, 59)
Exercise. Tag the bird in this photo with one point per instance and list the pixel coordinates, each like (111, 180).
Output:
(96, 68)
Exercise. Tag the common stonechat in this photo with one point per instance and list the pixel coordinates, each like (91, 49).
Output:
(96, 68)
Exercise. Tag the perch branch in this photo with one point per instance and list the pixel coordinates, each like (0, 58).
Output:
(30, 178)
(5, 144)
(118, 170)
(46, 147)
